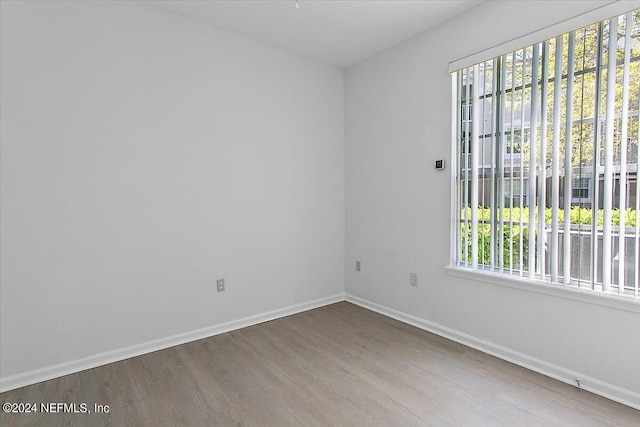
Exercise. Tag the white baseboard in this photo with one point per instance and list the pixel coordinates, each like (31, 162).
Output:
(55, 371)
(610, 391)
(604, 389)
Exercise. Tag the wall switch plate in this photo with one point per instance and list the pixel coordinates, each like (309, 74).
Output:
(357, 265)
(220, 285)
(439, 164)
(413, 279)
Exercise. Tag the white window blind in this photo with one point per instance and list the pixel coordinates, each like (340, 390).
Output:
(546, 150)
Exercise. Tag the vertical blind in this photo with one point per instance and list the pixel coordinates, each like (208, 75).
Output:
(547, 153)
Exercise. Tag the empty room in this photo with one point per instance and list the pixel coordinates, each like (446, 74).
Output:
(323, 213)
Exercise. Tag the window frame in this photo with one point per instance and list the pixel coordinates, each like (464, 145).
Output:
(570, 291)
(620, 302)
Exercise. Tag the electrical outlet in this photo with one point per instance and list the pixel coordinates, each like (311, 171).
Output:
(357, 265)
(413, 279)
(220, 285)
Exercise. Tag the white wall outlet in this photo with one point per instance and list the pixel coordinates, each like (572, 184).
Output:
(220, 285)
(358, 265)
(413, 279)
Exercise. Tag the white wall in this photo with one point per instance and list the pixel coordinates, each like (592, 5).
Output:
(398, 210)
(144, 155)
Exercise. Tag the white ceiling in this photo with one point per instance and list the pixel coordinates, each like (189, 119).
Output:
(338, 32)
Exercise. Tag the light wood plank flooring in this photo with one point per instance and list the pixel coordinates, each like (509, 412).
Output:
(339, 365)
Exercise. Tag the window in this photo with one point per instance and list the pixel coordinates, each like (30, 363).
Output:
(515, 192)
(515, 140)
(546, 179)
(580, 190)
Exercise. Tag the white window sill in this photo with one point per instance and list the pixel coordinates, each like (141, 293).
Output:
(620, 302)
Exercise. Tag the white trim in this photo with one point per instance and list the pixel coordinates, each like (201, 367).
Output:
(593, 385)
(614, 8)
(610, 300)
(100, 359)
(610, 391)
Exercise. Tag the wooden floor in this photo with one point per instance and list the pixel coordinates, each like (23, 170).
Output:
(339, 365)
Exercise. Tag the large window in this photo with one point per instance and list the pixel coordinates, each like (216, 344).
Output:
(547, 147)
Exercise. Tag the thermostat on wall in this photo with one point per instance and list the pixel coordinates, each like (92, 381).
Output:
(439, 164)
